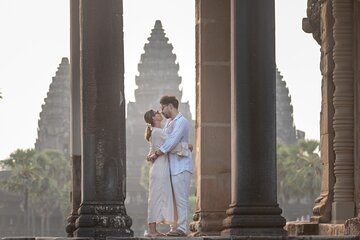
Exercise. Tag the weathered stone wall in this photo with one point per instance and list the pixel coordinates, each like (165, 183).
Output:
(322, 209)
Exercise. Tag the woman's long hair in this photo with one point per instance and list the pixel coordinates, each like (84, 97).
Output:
(148, 117)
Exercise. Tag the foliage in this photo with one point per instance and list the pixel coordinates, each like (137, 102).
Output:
(44, 179)
(192, 207)
(23, 169)
(52, 189)
(299, 171)
(144, 178)
(23, 173)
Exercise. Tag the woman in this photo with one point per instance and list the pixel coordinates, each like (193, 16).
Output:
(160, 201)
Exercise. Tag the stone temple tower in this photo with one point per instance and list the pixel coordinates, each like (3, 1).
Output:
(285, 128)
(54, 122)
(158, 75)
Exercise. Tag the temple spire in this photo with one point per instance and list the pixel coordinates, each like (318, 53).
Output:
(53, 130)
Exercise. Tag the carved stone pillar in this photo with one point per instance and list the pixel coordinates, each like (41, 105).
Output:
(213, 129)
(102, 212)
(254, 209)
(343, 122)
(323, 204)
(75, 141)
(357, 106)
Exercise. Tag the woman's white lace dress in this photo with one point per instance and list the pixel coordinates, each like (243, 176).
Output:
(160, 202)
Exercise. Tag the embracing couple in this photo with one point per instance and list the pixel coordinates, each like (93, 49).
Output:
(171, 168)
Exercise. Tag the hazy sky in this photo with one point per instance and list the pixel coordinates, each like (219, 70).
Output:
(35, 36)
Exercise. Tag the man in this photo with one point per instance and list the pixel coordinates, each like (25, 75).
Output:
(181, 167)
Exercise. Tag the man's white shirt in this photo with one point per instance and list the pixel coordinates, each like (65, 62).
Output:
(177, 131)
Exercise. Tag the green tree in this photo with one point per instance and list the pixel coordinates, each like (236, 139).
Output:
(44, 180)
(51, 190)
(144, 178)
(23, 173)
(299, 171)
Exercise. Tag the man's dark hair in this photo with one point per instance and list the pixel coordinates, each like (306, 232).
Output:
(165, 100)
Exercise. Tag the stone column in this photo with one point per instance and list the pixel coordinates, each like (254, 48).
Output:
(102, 212)
(75, 134)
(254, 209)
(213, 127)
(343, 122)
(357, 107)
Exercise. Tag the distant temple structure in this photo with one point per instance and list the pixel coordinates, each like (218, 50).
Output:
(286, 132)
(53, 133)
(158, 76)
(54, 122)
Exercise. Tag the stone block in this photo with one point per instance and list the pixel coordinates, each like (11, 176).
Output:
(215, 150)
(219, 9)
(331, 229)
(215, 101)
(215, 192)
(208, 223)
(301, 228)
(216, 44)
(352, 226)
(215, 29)
(18, 238)
(47, 238)
(341, 211)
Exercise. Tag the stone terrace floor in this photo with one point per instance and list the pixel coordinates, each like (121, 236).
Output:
(199, 238)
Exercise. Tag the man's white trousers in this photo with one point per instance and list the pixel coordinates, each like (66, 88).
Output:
(181, 188)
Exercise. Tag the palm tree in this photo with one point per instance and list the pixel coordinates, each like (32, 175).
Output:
(44, 180)
(299, 171)
(23, 173)
(52, 189)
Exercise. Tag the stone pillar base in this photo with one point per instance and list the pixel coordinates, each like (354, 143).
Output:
(258, 221)
(70, 227)
(100, 234)
(102, 220)
(342, 211)
(207, 224)
(254, 232)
